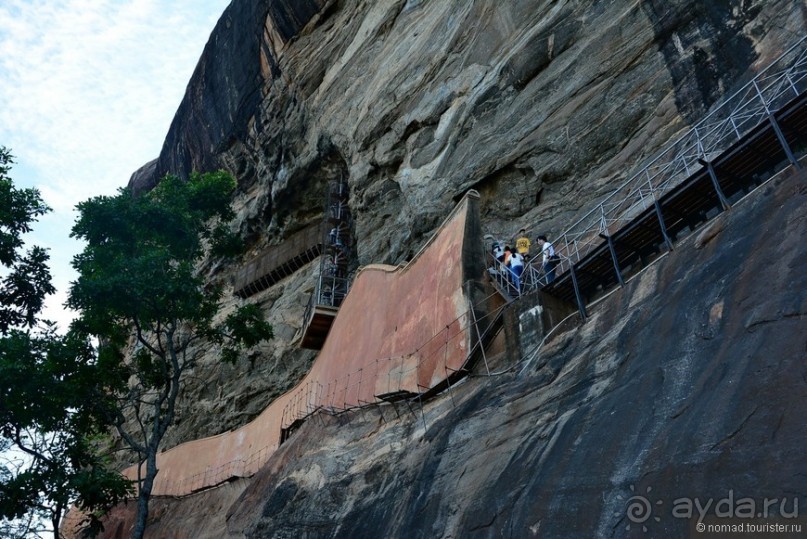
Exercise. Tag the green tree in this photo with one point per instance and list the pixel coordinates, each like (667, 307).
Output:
(47, 418)
(140, 292)
(47, 460)
(27, 280)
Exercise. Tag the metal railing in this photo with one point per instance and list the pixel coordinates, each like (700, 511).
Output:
(383, 376)
(390, 375)
(329, 291)
(333, 281)
(735, 117)
(532, 277)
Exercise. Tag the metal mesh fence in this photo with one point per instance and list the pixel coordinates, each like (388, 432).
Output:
(736, 116)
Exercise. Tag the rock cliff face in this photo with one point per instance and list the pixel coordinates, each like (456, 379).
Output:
(687, 383)
(541, 106)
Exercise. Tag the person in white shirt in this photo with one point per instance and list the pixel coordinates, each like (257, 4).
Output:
(498, 251)
(516, 269)
(549, 260)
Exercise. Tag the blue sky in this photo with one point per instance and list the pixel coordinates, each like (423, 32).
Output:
(88, 89)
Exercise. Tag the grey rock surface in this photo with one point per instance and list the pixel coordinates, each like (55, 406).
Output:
(542, 106)
(687, 383)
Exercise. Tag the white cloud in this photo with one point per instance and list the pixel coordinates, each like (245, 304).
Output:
(88, 89)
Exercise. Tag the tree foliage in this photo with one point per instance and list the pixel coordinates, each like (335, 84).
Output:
(140, 293)
(48, 418)
(47, 459)
(26, 282)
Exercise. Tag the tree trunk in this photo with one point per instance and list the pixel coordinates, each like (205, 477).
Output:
(56, 517)
(144, 494)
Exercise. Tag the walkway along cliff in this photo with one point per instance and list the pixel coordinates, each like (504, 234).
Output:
(558, 445)
(371, 359)
(750, 136)
(367, 357)
(539, 106)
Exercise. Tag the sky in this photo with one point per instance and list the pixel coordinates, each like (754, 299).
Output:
(88, 89)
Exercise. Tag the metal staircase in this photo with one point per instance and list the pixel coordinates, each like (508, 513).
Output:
(754, 134)
(336, 264)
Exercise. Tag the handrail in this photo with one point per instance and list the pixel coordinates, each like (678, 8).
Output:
(737, 115)
(335, 398)
(313, 397)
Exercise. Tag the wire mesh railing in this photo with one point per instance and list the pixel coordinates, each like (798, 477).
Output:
(406, 377)
(216, 475)
(334, 278)
(410, 374)
(736, 116)
(532, 276)
(414, 373)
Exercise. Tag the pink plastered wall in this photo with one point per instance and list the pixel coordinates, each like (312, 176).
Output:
(399, 328)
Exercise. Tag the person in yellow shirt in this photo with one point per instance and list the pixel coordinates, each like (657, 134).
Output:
(523, 243)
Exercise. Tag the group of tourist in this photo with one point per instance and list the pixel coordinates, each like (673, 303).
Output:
(513, 261)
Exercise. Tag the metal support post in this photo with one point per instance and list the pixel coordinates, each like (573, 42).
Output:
(616, 260)
(776, 128)
(711, 169)
(479, 339)
(581, 305)
(660, 217)
(699, 143)
(603, 221)
(422, 415)
(783, 142)
(448, 382)
(790, 83)
(734, 125)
